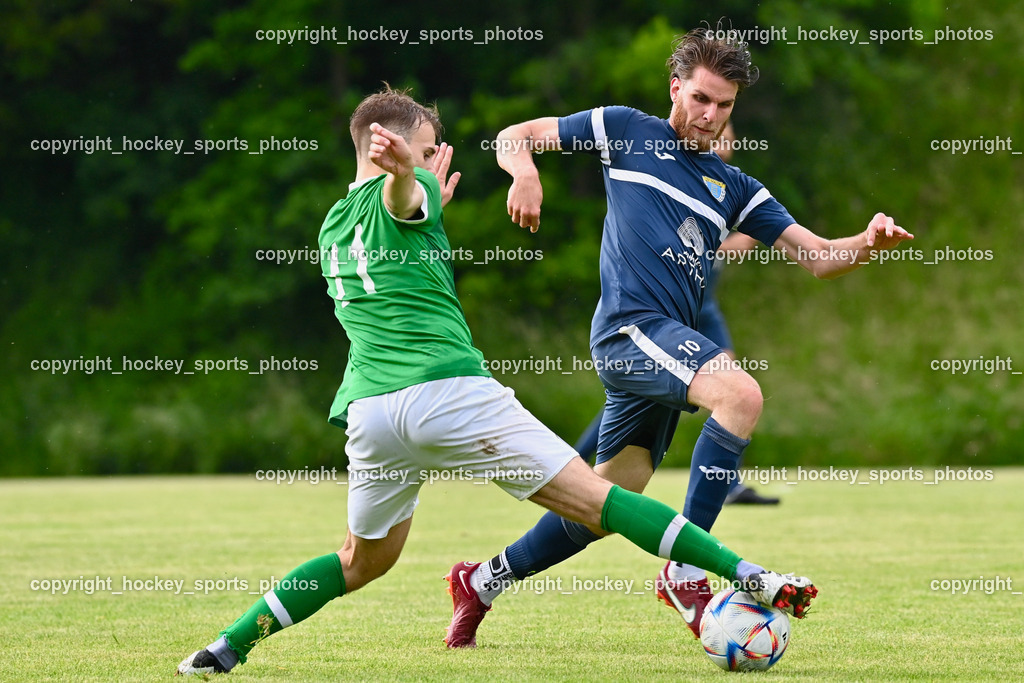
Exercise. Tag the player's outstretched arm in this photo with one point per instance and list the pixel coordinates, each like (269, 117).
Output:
(736, 243)
(515, 146)
(402, 196)
(828, 259)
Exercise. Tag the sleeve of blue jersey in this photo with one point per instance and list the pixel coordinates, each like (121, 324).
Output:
(767, 219)
(576, 131)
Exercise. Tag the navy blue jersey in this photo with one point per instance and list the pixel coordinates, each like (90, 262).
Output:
(669, 208)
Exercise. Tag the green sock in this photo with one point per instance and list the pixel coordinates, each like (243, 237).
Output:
(662, 531)
(302, 592)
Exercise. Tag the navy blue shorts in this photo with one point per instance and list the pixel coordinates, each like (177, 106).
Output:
(646, 370)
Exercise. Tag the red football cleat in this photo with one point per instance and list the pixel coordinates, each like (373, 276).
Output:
(468, 611)
(689, 598)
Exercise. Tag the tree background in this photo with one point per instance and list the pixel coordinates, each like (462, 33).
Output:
(153, 254)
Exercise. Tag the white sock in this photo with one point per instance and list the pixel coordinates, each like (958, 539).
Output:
(744, 570)
(491, 578)
(678, 571)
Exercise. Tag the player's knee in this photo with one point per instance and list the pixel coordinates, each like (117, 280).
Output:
(740, 405)
(733, 390)
(747, 398)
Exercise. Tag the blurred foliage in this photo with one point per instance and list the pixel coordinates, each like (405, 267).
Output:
(154, 254)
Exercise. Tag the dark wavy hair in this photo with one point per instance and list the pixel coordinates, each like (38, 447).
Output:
(719, 50)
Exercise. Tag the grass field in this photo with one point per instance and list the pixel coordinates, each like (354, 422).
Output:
(873, 549)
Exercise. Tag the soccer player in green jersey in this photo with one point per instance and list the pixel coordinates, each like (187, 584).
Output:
(417, 399)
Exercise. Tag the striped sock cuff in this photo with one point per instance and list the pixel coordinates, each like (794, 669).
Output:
(671, 534)
(662, 531)
(280, 613)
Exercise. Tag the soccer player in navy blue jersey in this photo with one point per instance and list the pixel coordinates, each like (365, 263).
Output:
(671, 202)
(711, 323)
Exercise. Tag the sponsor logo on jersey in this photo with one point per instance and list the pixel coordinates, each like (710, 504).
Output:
(692, 240)
(689, 232)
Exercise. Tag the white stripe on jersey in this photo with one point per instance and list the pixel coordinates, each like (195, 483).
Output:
(671, 534)
(335, 271)
(722, 236)
(362, 262)
(658, 354)
(274, 603)
(600, 135)
(762, 196)
(675, 193)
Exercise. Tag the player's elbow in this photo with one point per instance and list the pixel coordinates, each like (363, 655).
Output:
(821, 271)
(517, 132)
(826, 270)
(536, 135)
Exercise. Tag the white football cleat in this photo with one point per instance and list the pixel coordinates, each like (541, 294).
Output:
(200, 662)
(789, 593)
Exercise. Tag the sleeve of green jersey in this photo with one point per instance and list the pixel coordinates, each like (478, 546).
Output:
(430, 211)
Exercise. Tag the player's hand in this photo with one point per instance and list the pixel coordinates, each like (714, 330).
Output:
(442, 160)
(524, 200)
(883, 233)
(390, 151)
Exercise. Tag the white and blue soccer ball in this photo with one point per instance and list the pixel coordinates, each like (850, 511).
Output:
(740, 634)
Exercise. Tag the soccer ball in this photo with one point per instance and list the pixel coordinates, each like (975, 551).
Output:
(740, 634)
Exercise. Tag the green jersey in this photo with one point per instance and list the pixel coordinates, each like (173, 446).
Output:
(393, 287)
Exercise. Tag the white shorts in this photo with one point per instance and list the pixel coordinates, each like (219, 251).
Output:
(462, 428)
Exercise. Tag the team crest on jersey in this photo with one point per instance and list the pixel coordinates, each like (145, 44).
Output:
(716, 187)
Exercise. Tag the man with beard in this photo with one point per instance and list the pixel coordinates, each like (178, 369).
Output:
(711, 323)
(671, 202)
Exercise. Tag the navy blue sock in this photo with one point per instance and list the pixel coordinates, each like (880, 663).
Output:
(736, 483)
(716, 457)
(549, 542)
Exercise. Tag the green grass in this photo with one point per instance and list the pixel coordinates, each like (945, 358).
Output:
(873, 550)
